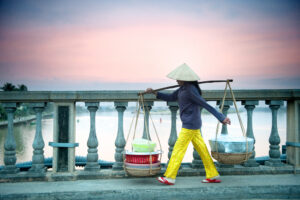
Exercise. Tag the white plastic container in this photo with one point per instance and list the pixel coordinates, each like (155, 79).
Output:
(230, 144)
(143, 145)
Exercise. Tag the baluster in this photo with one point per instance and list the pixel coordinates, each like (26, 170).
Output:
(224, 130)
(38, 145)
(92, 143)
(10, 143)
(226, 107)
(197, 162)
(148, 106)
(120, 140)
(274, 139)
(173, 106)
(250, 105)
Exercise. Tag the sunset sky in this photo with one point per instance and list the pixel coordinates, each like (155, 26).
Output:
(100, 45)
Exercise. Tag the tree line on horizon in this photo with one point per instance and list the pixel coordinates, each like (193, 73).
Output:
(22, 110)
(12, 87)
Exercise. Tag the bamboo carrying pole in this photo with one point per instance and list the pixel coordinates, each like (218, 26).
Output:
(200, 82)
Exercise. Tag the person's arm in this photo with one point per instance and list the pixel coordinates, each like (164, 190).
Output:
(168, 97)
(198, 99)
(163, 96)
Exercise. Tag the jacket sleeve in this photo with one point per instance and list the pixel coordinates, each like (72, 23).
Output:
(168, 97)
(198, 99)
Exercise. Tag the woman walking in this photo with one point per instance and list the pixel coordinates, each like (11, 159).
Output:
(190, 100)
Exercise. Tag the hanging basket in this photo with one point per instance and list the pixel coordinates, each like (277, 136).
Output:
(229, 150)
(143, 160)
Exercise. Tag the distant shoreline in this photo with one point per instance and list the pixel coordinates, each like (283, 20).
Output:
(156, 111)
(21, 120)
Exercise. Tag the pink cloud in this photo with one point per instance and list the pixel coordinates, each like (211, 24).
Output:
(148, 53)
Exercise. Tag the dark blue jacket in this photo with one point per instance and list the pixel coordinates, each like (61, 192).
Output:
(190, 101)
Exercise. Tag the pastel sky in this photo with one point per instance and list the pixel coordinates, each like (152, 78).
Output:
(99, 45)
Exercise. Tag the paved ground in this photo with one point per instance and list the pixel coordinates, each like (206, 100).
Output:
(232, 187)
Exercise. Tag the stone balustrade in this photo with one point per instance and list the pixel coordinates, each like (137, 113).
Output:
(248, 98)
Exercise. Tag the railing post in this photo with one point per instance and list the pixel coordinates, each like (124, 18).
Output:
(226, 107)
(274, 139)
(250, 105)
(197, 162)
(38, 145)
(120, 140)
(293, 133)
(10, 142)
(148, 105)
(64, 131)
(92, 143)
(173, 106)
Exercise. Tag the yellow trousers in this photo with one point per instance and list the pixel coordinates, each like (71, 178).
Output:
(181, 145)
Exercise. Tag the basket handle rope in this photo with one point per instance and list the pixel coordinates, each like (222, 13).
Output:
(221, 110)
(126, 142)
(147, 130)
(237, 111)
(137, 109)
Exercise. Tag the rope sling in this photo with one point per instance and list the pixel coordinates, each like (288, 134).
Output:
(138, 171)
(231, 158)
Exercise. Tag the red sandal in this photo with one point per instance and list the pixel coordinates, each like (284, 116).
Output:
(211, 181)
(164, 181)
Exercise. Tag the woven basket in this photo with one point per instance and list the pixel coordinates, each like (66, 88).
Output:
(142, 166)
(231, 158)
(142, 172)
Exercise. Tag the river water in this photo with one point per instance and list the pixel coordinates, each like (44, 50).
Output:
(107, 127)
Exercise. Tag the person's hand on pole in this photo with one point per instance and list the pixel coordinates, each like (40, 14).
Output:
(150, 91)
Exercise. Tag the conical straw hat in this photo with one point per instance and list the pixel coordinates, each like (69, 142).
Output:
(183, 73)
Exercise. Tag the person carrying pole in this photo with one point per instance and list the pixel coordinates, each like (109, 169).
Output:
(189, 100)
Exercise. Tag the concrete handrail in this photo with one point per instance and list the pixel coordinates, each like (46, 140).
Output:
(132, 95)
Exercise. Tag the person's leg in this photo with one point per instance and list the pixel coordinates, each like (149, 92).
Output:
(178, 153)
(200, 146)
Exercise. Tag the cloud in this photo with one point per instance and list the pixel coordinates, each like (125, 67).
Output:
(146, 52)
(139, 42)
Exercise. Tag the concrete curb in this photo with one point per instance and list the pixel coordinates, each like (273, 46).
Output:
(232, 187)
